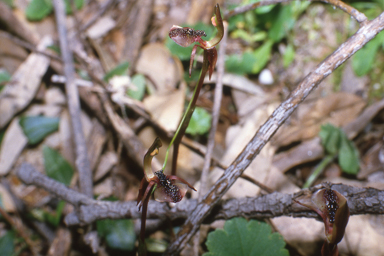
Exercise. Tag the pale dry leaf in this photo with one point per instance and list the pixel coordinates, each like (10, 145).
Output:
(6, 200)
(12, 145)
(101, 27)
(107, 161)
(360, 238)
(156, 62)
(24, 83)
(105, 188)
(167, 108)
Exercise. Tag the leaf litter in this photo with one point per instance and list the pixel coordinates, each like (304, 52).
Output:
(280, 165)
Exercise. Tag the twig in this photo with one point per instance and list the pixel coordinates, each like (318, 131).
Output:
(215, 114)
(360, 201)
(358, 16)
(268, 129)
(82, 162)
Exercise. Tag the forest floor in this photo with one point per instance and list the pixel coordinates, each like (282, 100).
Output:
(146, 98)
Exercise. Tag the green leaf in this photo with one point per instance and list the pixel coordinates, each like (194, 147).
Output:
(7, 247)
(262, 56)
(38, 9)
(36, 128)
(240, 64)
(119, 234)
(78, 4)
(138, 93)
(119, 70)
(243, 238)
(56, 166)
(289, 55)
(363, 60)
(54, 219)
(348, 156)
(200, 122)
(330, 138)
(282, 23)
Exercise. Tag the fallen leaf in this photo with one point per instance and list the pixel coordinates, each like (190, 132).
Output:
(24, 83)
(337, 109)
(12, 145)
(167, 108)
(156, 62)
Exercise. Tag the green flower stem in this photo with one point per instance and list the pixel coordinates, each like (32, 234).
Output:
(186, 118)
(319, 169)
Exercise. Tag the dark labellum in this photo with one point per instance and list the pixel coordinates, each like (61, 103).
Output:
(331, 203)
(168, 188)
(185, 36)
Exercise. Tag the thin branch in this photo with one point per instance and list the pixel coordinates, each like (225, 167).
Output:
(358, 16)
(360, 201)
(268, 129)
(215, 114)
(82, 162)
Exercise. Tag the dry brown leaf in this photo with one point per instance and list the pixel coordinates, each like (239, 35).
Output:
(167, 108)
(24, 84)
(156, 62)
(6, 200)
(107, 161)
(11, 55)
(61, 245)
(360, 238)
(337, 109)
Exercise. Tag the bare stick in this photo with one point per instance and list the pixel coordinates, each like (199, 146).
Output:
(268, 129)
(82, 162)
(360, 201)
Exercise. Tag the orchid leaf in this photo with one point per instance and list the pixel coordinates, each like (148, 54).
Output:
(138, 81)
(348, 156)
(56, 166)
(7, 246)
(119, 70)
(200, 122)
(38, 9)
(119, 234)
(36, 128)
(245, 238)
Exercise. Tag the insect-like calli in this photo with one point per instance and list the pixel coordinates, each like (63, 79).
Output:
(333, 209)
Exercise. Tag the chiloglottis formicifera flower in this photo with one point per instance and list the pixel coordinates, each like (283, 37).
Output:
(165, 188)
(333, 209)
(185, 36)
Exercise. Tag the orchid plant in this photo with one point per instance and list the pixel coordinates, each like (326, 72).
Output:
(170, 188)
(185, 36)
(333, 209)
